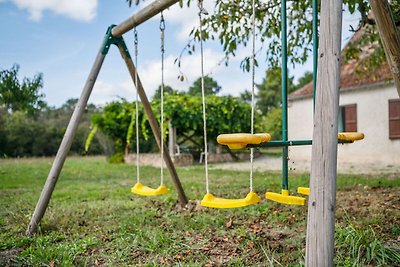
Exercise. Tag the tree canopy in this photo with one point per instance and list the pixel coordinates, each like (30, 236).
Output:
(230, 24)
(211, 87)
(269, 90)
(22, 96)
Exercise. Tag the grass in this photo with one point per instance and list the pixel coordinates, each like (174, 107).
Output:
(93, 219)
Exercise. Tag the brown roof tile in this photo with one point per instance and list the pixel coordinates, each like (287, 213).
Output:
(352, 73)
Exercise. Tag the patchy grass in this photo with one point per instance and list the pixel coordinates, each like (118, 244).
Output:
(93, 219)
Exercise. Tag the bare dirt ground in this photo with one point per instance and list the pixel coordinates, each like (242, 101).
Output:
(269, 163)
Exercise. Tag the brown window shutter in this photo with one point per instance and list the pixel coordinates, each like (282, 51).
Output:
(350, 118)
(394, 118)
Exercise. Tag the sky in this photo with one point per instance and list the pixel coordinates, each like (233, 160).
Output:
(61, 38)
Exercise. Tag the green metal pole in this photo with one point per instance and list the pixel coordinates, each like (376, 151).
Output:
(285, 183)
(315, 47)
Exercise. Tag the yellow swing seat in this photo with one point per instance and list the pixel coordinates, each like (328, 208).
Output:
(303, 190)
(143, 190)
(241, 140)
(343, 136)
(285, 198)
(209, 200)
(350, 136)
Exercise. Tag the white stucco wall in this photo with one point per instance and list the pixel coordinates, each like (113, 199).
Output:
(372, 120)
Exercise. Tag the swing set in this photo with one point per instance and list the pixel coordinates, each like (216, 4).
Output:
(233, 140)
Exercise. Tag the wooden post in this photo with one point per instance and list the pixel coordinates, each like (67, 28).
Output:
(65, 146)
(154, 125)
(389, 36)
(172, 139)
(143, 15)
(321, 203)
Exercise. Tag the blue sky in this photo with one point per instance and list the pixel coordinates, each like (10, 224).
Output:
(61, 38)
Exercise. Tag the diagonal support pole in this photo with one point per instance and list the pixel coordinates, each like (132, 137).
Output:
(65, 145)
(389, 36)
(153, 122)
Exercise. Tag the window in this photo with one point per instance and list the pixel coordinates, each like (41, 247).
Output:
(348, 118)
(394, 119)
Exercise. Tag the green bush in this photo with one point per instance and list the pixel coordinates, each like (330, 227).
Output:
(270, 123)
(117, 158)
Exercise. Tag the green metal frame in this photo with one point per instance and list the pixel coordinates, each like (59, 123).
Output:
(281, 143)
(285, 156)
(285, 143)
(110, 40)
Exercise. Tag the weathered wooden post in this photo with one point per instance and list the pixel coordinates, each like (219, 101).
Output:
(171, 139)
(322, 199)
(389, 36)
(65, 146)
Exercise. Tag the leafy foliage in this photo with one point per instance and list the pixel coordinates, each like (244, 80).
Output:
(21, 96)
(269, 91)
(117, 121)
(168, 90)
(22, 135)
(271, 123)
(211, 87)
(231, 21)
(224, 115)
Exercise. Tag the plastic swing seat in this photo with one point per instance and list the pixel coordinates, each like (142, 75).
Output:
(303, 190)
(285, 198)
(350, 136)
(343, 136)
(209, 200)
(241, 140)
(143, 190)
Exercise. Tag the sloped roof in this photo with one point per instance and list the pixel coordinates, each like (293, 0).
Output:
(351, 72)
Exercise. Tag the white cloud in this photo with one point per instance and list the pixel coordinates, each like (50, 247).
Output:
(150, 72)
(104, 92)
(75, 9)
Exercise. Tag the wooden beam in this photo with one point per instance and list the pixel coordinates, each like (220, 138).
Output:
(142, 16)
(65, 146)
(322, 199)
(153, 124)
(389, 36)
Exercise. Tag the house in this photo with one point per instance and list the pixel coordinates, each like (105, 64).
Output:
(368, 103)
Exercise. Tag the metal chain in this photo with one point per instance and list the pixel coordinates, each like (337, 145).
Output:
(252, 90)
(137, 107)
(162, 29)
(203, 11)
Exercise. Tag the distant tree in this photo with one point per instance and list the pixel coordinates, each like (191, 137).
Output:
(245, 96)
(211, 87)
(3, 134)
(22, 96)
(20, 131)
(303, 80)
(70, 104)
(168, 90)
(270, 123)
(269, 93)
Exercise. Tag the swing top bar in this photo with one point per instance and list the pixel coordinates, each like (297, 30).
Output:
(142, 16)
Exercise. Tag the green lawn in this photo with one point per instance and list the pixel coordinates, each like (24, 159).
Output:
(93, 219)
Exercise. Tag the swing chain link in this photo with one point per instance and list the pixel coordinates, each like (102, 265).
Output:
(201, 12)
(162, 30)
(135, 41)
(135, 34)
